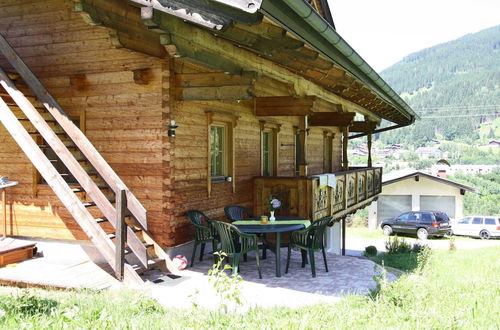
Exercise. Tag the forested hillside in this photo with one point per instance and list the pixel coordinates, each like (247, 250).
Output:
(454, 87)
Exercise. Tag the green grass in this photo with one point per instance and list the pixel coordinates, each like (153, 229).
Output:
(455, 290)
(404, 261)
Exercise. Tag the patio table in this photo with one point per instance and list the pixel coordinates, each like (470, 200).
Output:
(281, 225)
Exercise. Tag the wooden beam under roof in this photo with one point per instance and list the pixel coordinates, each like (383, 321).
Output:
(284, 106)
(339, 119)
(362, 126)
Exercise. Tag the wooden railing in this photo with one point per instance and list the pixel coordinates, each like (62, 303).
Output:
(314, 197)
(80, 140)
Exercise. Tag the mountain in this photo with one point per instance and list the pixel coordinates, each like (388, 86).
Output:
(454, 87)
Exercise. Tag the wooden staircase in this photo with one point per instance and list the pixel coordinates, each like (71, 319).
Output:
(99, 201)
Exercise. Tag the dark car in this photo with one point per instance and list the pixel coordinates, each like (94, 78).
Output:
(421, 223)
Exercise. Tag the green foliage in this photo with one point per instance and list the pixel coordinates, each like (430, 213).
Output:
(458, 78)
(226, 286)
(447, 294)
(488, 201)
(370, 251)
(397, 245)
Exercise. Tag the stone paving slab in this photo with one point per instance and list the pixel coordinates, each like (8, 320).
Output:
(347, 275)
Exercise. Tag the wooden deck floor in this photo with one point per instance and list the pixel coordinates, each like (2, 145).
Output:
(60, 265)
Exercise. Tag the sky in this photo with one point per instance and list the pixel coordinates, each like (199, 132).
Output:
(385, 31)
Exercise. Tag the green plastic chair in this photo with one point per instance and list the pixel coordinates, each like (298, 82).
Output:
(204, 232)
(234, 243)
(309, 240)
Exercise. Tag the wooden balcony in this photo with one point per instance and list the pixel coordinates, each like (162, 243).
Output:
(313, 197)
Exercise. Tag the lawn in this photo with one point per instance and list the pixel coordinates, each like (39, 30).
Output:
(456, 289)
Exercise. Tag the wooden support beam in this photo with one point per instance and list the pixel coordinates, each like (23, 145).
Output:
(331, 119)
(345, 143)
(303, 132)
(362, 126)
(284, 106)
(215, 86)
(369, 149)
(121, 233)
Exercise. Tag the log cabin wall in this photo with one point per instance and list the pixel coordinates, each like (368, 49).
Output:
(128, 100)
(191, 159)
(120, 93)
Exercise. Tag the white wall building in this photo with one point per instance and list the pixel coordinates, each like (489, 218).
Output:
(417, 191)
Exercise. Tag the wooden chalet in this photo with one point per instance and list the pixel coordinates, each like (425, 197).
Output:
(120, 115)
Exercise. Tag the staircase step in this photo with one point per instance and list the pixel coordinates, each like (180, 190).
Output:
(111, 236)
(101, 220)
(77, 190)
(89, 204)
(37, 133)
(47, 120)
(44, 146)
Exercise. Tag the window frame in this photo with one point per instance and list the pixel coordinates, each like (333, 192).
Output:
(328, 138)
(223, 151)
(228, 120)
(272, 129)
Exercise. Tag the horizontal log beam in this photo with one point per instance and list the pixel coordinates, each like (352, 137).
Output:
(214, 93)
(215, 79)
(362, 126)
(284, 106)
(331, 119)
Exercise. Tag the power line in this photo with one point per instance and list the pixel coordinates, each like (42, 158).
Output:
(462, 116)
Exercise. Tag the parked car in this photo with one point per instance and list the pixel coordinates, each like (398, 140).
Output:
(421, 223)
(481, 226)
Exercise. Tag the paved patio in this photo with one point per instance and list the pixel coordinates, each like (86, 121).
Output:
(297, 288)
(71, 265)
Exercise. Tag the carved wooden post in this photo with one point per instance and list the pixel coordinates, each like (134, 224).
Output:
(121, 233)
(303, 129)
(369, 149)
(345, 141)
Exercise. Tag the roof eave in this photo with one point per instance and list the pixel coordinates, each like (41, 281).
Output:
(307, 24)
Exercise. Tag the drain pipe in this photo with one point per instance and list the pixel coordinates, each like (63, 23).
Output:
(376, 131)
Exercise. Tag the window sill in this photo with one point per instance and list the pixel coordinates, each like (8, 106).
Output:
(219, 179)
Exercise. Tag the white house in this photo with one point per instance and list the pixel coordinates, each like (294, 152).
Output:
(417, 191)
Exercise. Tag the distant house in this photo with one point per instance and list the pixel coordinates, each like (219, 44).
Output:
(494, 143)
(442, 170)
(428, 152)
(417, 191)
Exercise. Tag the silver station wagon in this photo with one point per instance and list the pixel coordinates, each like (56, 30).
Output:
(481, 226)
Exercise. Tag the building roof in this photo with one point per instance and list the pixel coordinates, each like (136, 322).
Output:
(308, 45)
(386, 181)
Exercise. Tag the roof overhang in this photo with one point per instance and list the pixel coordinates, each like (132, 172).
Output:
(430, 177)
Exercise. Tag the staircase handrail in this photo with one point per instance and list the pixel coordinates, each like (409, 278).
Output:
(81, 141)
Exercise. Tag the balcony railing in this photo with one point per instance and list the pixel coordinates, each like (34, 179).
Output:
(321, 195)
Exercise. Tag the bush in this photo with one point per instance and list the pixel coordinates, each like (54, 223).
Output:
(370, 251)
(397, 246)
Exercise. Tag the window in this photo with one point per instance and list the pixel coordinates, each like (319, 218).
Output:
(442, 217)
(404, 216)
(477, 221)
(327, 152)
(465, 221)
(218, 153)
(426, 217)
(269, 147)
(267, 154)
(220, 148)
(489, 221)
